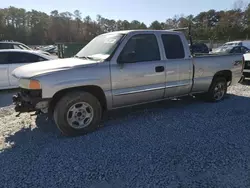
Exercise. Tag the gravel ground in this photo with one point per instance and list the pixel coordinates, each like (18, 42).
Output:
(183, 143)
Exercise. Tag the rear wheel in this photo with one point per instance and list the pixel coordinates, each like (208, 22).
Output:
(77, 113)
(217, 90)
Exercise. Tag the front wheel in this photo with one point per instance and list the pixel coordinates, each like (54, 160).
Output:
(77, 113)
(217, 90)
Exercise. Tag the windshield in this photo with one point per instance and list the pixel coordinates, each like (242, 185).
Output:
(225, 49)
(21, 46)
(101, 47)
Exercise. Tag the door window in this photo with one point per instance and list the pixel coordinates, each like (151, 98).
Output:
(3, 58)
(244, 49)
(21, 57)
(6, 46)
(236, 50)
(173, 46)
(139, 48)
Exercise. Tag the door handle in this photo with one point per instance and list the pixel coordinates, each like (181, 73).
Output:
(159, 69)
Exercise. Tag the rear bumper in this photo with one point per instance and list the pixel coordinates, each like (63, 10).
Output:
(246, 74)
(30, 101)
(242, 79)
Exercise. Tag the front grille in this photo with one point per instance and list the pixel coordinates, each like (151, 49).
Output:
(247, 65)
(32, 93)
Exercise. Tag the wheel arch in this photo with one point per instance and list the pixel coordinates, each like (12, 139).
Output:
(227, 74)
(93, 89)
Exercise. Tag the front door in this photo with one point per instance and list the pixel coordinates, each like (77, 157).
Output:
(138, 74)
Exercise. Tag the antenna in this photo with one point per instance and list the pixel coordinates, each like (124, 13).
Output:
(190, 39)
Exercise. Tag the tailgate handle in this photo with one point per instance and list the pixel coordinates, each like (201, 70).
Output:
(159, 69)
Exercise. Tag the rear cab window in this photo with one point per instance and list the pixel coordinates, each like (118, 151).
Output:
(173, 46)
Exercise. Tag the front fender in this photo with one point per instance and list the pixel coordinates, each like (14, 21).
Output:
(49, 90)
(77, 77)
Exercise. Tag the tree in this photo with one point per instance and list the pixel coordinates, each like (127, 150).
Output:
(156, 25)
(35, 27)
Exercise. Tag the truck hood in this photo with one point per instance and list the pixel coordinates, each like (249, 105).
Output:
(35, 69)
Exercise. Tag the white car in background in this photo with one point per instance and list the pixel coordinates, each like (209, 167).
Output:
(10, 59)
(4, 45)
(244, 43)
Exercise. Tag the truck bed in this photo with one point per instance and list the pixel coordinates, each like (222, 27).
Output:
(206, 66)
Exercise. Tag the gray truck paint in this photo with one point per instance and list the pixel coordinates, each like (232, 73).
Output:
(133, 83)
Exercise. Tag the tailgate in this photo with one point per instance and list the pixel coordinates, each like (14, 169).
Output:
(236, 71)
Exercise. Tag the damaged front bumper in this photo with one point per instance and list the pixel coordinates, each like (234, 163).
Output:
(30, 101)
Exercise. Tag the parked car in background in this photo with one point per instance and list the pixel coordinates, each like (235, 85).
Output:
(10, 59)
(52, 49)
(200, 48)
(239, 49)
(245, 43)
(232, 49)
(121, 69)
(18, 45)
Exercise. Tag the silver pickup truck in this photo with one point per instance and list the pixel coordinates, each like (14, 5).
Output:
(117, 70)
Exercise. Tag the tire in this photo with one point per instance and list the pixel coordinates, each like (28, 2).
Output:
(68, 109)
(218, 85)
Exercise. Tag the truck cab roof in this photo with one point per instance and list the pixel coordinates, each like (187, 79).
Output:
(142, 31)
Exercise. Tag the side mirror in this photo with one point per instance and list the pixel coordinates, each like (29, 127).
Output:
(210, 49)
(127, 57)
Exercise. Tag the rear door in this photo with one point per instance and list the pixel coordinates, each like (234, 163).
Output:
(17, 59)
(4, 68)
(179, 66)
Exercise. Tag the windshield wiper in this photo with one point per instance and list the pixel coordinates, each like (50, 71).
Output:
(84, 57)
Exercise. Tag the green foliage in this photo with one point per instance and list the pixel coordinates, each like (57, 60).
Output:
(34, 27)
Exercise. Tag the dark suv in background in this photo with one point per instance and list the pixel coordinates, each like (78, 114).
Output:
(200, 48)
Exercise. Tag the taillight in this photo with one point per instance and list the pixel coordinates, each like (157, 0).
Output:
(243, 63)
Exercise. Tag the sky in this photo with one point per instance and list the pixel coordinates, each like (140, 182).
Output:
(142, 10)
